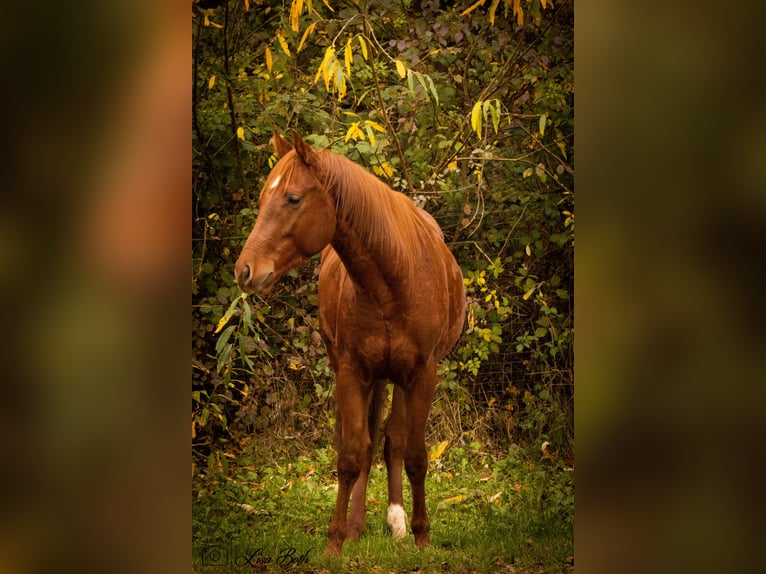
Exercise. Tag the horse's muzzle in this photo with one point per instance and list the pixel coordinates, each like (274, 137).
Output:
(254, 278)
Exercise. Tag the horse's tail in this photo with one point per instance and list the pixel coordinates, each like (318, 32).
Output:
(375, 408)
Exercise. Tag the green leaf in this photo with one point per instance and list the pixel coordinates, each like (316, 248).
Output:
(247, 315)
(422, 82)
(485, 109)
(433, 89)
(495, 112)
(224, 338)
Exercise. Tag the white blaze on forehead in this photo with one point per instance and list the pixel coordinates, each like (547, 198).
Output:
(397, 520)
(275, 183)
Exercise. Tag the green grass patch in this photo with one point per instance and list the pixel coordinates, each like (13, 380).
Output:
(490, 512)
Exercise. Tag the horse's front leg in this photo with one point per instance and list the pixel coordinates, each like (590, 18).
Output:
(354, 449)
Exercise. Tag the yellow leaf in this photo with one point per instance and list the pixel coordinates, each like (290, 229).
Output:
(543, 3)
(329, 54)
(376, 126)
(349, 56)
(472, 7)
(225, 319)
(295, 11)
(476, 117)
(363, 46)
(283, 42)
(247, 5)
(401, 70)
(453, 499)
(518, 12)
(340, 82)
(308, 31)
(269, 60)
(437, 451)
(211, 83)
(370, 133)
(354, 132)
(326, 3)
(492, 9)
(208, 21)
(241, 133)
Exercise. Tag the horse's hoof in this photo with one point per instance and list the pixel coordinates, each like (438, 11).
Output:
(333, 550)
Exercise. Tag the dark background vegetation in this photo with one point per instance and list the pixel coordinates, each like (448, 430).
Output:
(669, 247)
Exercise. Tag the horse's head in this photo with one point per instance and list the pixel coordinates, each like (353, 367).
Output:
(296, 218)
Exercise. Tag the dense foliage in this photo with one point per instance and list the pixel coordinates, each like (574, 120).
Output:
(466, 107)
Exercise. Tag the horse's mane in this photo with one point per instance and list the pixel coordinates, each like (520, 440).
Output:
(383, 217)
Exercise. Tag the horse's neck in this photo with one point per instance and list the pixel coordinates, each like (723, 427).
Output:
(371, 260)
(367, 266)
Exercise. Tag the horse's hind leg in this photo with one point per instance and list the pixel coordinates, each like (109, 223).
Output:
(395, 445)
(415, 457)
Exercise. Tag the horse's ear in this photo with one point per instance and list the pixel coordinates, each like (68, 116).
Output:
(307, 154)
(281, 146)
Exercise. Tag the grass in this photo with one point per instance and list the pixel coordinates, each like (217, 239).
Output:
(490, 512)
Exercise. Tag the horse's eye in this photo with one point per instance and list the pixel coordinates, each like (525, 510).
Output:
(294, 200)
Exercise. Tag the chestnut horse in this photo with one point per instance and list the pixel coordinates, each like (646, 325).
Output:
(391, 306)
